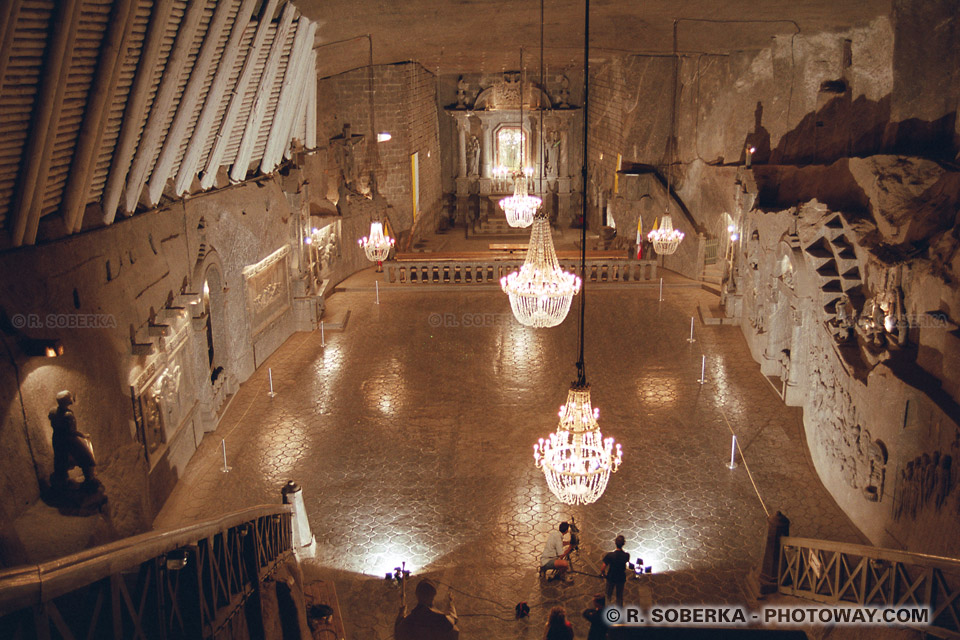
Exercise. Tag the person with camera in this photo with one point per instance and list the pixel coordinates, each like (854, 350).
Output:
(555, 554)
(615, 569)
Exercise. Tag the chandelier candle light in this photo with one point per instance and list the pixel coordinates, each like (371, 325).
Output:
(665, 238)
(377, 246)
(541, 292)
(576, 459)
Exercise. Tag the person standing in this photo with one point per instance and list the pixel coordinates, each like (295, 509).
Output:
(558, 627)
(594, 615)
(425, 622)
(615, 569)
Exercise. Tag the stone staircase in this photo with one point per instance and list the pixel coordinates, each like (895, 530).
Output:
(496, 225)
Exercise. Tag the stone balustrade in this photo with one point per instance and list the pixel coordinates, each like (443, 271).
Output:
(489, 271)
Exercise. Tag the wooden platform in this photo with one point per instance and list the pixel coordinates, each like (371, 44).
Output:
(324, 592)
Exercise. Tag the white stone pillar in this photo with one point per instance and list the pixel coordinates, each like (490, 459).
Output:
(304, 543)
(487, 150)
(462, 134)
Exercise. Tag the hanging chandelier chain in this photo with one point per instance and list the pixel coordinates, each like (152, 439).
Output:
(581, 368)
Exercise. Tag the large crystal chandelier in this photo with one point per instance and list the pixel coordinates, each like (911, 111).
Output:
(521, 206)
(576, 459)
(377, 245)
(665, 239)
(541, 292)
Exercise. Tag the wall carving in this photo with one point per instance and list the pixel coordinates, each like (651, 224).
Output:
(268, 289)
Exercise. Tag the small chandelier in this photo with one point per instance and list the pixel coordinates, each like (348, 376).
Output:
(377, 246)
(577, 460)
(665, 239)
(521, 206)
(541, 292)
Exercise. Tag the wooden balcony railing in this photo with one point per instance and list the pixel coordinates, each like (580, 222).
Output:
(192, 582)
(838, 573)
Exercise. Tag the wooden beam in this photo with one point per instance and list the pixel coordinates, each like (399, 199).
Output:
(311, 141)
(43, 127)
(187, 108)
(291, 91)
(113, 51)
(134, 112)
(297, 123)
(153, 131)
(9, 13)
(238, 171)
(211, 107)
(236, 100)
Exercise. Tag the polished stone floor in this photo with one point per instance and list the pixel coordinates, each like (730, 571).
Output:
(411, 433)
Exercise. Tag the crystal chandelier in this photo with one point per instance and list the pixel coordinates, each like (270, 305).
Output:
(541, 292)
(577, 460)
(521, 206)
(377, 246)
(665, 239)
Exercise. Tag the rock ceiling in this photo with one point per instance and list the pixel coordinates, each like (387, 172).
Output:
(460, 36)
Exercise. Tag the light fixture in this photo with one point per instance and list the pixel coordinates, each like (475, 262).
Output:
(377, 246)
(541, 292)
(41, 347)
(665, 238)
(576, 459)
(383, 136)
(520, 207)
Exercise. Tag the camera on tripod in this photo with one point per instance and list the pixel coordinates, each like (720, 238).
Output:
(574, 532)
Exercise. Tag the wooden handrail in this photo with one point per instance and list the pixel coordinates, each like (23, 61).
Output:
(893, 555)
(28, 585)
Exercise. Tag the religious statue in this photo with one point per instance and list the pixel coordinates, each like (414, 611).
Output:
(461, 93)
(71, 448)
(564, 93)
(473, 158)
(347, 156)
(553, 152)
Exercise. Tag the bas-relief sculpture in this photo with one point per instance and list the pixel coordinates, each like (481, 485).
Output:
(71, 447)
(854, 310)
(267, 289)
(345, 154)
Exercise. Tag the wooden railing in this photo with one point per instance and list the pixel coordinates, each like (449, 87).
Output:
(489, 271)
(839, 573)
(193, 582)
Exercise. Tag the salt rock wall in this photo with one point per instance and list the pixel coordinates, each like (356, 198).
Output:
(161, 316)
(853, 317)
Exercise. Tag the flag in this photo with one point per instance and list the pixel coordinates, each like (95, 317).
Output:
(640, 238)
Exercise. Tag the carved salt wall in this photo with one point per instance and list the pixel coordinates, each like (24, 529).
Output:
(194, 297)
(852, 319)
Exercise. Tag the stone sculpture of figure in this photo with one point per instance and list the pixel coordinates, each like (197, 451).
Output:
(785, 364)
(347, 156)
(71, 448)
(461, 93)
(564, 93)
(473, 158)
(553, 152)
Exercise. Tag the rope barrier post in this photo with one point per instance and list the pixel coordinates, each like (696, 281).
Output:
(691, 339)
(323, 342)
(703, 369)
(377, 283)
(223, 448)
(270, 375)
(661, 290)
(733, 454)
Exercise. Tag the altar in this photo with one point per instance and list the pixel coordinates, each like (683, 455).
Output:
(496, 145)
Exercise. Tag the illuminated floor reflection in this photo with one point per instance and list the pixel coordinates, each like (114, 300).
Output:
(412, 439)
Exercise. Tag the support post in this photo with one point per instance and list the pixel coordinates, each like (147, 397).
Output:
(304, 542)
